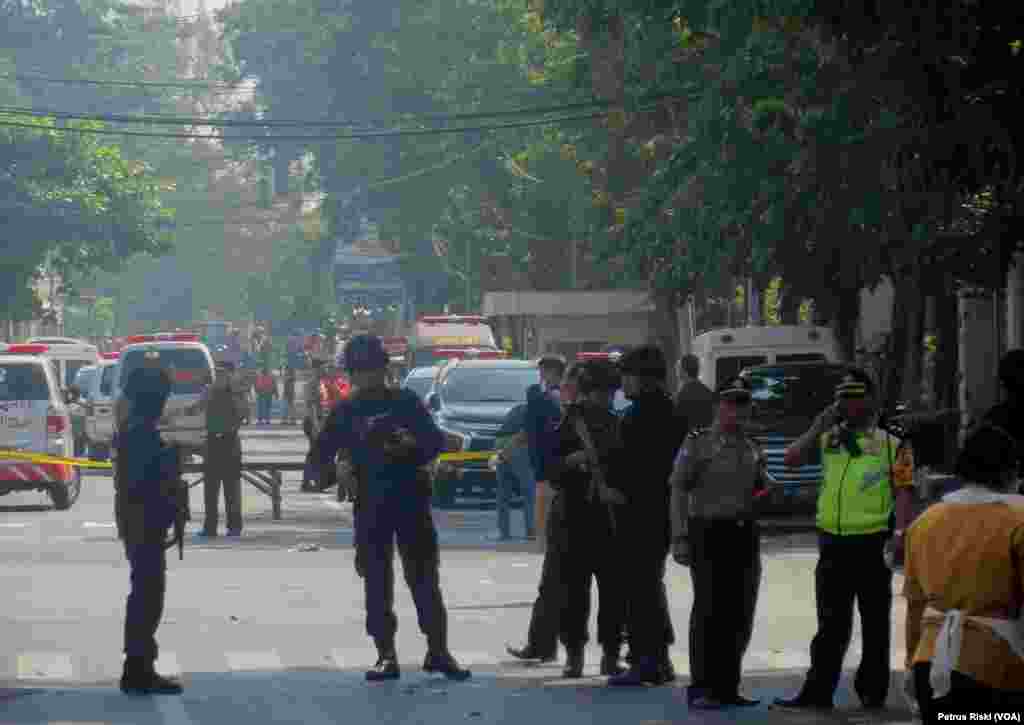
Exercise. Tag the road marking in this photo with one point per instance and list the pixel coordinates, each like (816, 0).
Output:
(265, 660)
(167, 664)
(98, 525)
(45, 666)
(13, 525)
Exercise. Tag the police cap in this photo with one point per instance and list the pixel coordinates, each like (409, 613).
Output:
(736, 390)
(366, 352)
(646, 361)
(598, 376)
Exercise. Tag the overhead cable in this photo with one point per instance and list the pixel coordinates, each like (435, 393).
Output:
(362, 135)
(169, 120)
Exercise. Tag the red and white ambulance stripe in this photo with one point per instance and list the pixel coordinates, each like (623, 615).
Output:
(32, 472)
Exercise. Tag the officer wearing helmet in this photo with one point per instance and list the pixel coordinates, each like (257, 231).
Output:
(585, 543)
(389, 437)
(650, 439)
(146, 501)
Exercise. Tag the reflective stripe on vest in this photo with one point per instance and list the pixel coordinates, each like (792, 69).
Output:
(856, 494)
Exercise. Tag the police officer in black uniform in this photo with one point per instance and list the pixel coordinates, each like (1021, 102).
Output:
(147, 474)
(390, 437)
(586, 540)
(650, 439)
(542, 638)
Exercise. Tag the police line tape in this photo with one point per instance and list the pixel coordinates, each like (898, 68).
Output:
(56, 460)
(87, 463)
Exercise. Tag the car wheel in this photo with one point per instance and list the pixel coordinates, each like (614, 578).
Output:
(64, 495)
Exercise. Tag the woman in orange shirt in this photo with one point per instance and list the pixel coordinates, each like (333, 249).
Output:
(965, 587)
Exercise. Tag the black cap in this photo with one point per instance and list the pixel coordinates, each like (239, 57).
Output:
(366, 352)
(736, 390)
(645, 361)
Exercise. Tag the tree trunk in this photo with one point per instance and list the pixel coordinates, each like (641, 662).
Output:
(666, 329)
(896, 349)
(845, 320)
(913, 310)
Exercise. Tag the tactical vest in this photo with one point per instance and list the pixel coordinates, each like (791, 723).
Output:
(856, 495)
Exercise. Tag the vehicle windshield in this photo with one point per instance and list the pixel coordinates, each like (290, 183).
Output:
(794, 391)
(71, 368)
(419, 384)
(84, 378)
(488, 385)
(107, 381)
(23, 382)
(189, 367)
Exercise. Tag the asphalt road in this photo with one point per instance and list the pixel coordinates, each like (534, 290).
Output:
(269, 628)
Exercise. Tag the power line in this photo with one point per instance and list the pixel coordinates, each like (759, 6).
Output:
(337, 137)
(167, 119)
(198, 85)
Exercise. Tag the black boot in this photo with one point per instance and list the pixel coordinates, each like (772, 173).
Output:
(444, 663)
(387, 665)
(645, 671)
(139, 678)
(573, 663)
(804, 701)
(610, 666)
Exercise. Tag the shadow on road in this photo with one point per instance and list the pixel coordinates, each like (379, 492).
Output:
(494, 695)
(26, 508)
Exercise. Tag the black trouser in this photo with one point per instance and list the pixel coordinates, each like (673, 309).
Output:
(223, 465)
(547, 609)
(648, 623)
(379, 523)
(590, 551)
(965, 696)
(145, 604)
(726, 574)
(851, 568)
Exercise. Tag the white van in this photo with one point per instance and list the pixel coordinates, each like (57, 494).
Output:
(35, 419)
(723, 353)
(69, 354)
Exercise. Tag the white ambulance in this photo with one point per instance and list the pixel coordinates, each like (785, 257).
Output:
(69, 354)
(34, 418)
(724, 352)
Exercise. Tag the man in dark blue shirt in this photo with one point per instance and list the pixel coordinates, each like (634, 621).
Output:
(542, 415)
(390, 437)
(145, 506)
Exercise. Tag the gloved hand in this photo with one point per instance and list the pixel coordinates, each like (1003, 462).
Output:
(681, 551)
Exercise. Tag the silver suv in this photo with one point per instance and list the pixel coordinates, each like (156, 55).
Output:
(99, 407)
(191, 367)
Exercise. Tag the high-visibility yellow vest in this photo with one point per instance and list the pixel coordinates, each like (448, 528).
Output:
(857, 493)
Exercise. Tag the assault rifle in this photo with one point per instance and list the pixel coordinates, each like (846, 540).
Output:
(599, 488)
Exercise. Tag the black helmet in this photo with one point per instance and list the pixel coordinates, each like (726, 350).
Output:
(646, 361)
(598, 376)
(366, 352)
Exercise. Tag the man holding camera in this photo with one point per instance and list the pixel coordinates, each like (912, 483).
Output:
(868, 478)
